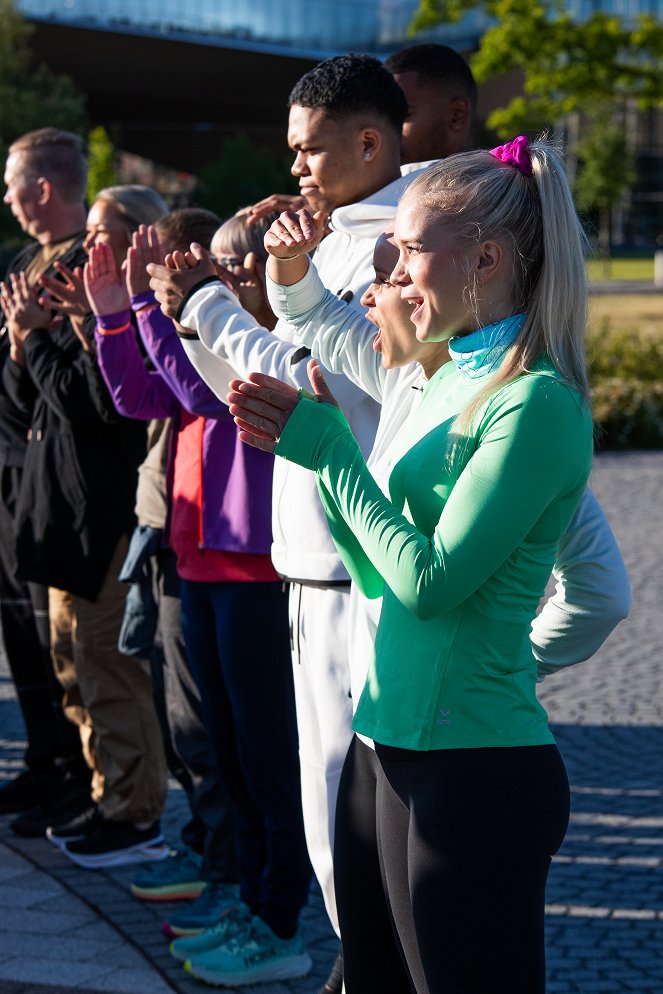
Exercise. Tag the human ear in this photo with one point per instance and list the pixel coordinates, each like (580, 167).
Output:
(371, 143)
(488, 261)
(45, 189)
(459, 112)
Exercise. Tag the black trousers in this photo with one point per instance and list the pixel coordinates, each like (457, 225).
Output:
(25, 629)
(441, 860)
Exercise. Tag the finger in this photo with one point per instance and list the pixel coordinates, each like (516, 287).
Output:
(265, 444)
(64, 270)
(155, 251)
(179, 260)
(160, 272)
(258, 411)
(264, 398)
(199, 253)
(56, 288)
(256, 426)
(307, 223)
(319, 383)
(264, 380)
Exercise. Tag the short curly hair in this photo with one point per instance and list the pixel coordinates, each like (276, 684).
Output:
(347, 85)
(435, 64)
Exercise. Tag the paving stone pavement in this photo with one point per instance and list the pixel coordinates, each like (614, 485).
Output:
(64, 929)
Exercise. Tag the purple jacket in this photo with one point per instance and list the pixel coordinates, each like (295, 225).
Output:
(236, 479)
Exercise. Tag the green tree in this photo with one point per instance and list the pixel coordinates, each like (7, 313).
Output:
(31, 96)
(566, 64)
(243, 174)
(606, 170)
(101, 163)
(594, 69)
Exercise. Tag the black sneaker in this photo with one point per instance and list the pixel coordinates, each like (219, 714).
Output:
(87, 821)
(28, 790)
(33, 824)
(115, 843)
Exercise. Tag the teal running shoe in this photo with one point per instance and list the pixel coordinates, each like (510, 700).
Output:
(253, 956)
(214, 902)
(236, 920)
(176, 878)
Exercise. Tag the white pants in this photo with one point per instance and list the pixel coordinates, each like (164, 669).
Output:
(319, 626)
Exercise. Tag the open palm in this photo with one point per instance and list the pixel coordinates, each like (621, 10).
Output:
(106, 289)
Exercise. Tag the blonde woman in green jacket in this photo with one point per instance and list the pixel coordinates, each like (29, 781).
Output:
(471, 797)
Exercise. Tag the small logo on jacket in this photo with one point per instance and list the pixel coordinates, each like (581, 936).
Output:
(444, 717)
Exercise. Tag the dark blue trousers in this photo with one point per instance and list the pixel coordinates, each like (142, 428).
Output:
(237, 638)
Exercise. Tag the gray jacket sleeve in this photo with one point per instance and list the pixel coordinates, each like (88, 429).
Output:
(592, 593)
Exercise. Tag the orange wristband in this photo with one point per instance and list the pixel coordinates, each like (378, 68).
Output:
(114, 331)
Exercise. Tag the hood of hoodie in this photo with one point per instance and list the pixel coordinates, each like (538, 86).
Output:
(369, 217)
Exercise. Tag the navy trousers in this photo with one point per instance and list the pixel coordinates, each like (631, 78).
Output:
(238, 643)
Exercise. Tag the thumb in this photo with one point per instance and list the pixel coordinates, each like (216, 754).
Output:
(197, 250)
(318, 382)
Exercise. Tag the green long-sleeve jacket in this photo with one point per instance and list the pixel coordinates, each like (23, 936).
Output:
(461, 549)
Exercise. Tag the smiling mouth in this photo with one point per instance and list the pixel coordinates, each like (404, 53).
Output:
(417, 304)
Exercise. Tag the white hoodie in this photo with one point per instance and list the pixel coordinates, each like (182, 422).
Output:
(231, 344)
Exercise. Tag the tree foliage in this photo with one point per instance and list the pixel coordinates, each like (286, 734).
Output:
(242, 175)
(101, 163)
(606, 170)
(30, 96)
(568, 65)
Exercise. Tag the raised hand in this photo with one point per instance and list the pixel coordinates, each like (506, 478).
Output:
(295, 234)
(105, 287)
(277, 202)
(67, 295)
(181, 271)
(22, 306)
(145, 249)
(262, 405)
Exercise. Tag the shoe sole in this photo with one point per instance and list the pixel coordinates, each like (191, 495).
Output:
(119, 857)
(183, 957)
(169, 892)
(185, 932)
(59, 841)
(290, 969)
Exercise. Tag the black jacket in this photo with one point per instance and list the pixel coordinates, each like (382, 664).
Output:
(80, 471)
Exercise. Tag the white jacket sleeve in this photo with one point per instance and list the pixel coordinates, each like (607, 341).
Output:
(231, 336)
(336, 333)
(592, 594)
(231, 345)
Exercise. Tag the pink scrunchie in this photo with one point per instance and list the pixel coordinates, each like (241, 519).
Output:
(516, 154)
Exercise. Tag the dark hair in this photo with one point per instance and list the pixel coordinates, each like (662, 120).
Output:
(190, 224)
(435, 65)
(58, 157)
(352, 84)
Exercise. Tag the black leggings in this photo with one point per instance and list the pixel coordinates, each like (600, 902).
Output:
(440, 866)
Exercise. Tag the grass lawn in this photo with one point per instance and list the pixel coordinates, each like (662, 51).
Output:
(642, 313)
(621, 269)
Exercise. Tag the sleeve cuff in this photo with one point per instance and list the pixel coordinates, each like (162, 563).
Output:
(144, 299)
(113, 322)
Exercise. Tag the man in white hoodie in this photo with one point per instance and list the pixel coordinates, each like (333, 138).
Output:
(345, 124)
